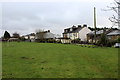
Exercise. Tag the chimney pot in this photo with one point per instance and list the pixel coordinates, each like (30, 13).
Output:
(48, 30)
(79, 26)
(84, 25)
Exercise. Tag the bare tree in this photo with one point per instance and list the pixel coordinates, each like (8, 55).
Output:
(116, 8)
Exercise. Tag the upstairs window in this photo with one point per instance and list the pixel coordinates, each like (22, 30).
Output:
(66, 30)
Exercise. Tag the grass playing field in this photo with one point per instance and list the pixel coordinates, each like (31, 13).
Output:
(48, 60)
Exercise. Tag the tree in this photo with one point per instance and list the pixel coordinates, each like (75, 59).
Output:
(98, 29)
(118, 40)
(6, 35)
(103, 39)
(22, 38)
(116, 8)
(16, 35)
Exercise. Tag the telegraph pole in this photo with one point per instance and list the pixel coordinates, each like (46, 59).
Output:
(95, 23)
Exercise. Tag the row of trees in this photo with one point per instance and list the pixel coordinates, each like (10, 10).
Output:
(93, 29)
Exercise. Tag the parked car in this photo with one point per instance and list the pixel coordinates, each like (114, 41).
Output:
(117, 45)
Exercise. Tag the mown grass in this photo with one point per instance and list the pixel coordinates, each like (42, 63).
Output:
(47, 60)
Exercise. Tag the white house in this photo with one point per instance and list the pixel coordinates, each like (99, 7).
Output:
(26, 36)
(77, 32)
(30, 37)
(45, 35)
(65, 41)
(49, 35)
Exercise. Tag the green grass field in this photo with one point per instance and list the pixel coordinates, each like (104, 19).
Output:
(47, 60)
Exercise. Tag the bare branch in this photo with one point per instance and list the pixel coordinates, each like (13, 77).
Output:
(116, 8)
(113, 19)
(113, 8)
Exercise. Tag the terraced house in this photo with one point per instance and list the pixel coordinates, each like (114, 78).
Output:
(114, 35)
(79, 32)
(110, 33)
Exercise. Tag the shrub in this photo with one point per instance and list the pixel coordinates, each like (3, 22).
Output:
(118, 40)
(103, 40)
(58, 41)
(45, 40)
(22, 39)
(76, 41)
(109, 43)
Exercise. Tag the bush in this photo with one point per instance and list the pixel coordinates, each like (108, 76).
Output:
(22, 39)
(118, 40)
(107, 44)
(76, 41)
(58, 41)
(51, 41)
(45, 40)
(103, 40)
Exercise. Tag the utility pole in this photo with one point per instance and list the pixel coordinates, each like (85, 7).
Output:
(95, 23)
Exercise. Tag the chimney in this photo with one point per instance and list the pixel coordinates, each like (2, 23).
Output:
(64, 30)
(79, 26)
(84, 25)
(73, 26)
(48, 30)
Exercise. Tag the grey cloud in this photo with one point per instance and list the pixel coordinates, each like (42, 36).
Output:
(27, 17)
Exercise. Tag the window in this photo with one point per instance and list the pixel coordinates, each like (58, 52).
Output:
(70, 29)
(109, 37)
(65, 30)
(76, 34)
(70, 35)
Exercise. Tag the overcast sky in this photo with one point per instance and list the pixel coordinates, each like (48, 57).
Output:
(27, 17)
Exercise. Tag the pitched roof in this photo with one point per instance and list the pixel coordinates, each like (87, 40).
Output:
(100, 32)
(116, 32)
(32, 34)
(76, 29)
(97, 32)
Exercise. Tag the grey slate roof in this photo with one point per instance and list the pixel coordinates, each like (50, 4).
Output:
(100, 32)
(77, 29)
(116, 32)
(97, 32)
